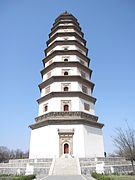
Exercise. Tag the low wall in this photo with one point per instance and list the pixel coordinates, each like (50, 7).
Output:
(87, 166)
(105, 165)
(23, 166)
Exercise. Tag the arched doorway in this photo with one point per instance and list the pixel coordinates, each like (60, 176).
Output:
(65, 142)
(66, 148)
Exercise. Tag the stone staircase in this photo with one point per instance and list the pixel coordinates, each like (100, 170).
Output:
(66, 166)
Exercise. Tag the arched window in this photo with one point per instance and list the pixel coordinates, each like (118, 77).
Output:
(66, 88)
(65, 49)
(46, 108)
(66, 60)
(66, 108)
(65, 73)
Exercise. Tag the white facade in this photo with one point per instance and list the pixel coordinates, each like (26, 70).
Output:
(87, 141)
(59, 71)
(58, 86)
(76, 104)
(60, 58)
(67, 38)
(66, 30)
(69, 47)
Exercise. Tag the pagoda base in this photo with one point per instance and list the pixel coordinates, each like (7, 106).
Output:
(77, 140)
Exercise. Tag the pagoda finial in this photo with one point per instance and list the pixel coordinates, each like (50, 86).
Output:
(65, 13)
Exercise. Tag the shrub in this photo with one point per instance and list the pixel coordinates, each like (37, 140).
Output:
(4, 175)
(100, 176)
(130, 173)
(28, 177)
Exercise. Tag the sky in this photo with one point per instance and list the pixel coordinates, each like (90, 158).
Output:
(109, 29)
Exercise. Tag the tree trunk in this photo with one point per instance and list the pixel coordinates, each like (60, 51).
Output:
(132, 161)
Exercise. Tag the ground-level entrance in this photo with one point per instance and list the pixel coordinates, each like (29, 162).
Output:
(65, 141)
(66, 148)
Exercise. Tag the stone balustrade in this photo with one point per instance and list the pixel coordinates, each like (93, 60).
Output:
(66, 115)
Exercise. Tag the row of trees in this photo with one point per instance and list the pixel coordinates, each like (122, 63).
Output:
(6, 154)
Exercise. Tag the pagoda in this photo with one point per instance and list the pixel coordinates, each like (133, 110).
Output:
(66, 124)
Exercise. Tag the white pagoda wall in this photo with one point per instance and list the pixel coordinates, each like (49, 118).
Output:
(73, 71)
(87, 141)
(54, 105)
(72, 58)
(93, 142)
(63, 38)
(70, 47)
(81, 106)
(66, 30)
(57, 87)
(65, 24)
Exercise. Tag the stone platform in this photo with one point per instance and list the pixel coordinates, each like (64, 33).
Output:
(105, 165)
(26, 166)
(73, 166)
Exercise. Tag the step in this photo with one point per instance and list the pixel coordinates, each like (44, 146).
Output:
(65, 166)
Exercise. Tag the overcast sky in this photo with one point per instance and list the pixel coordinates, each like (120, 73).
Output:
(109, 29)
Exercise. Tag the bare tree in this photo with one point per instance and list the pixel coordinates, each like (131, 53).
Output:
(19, 154)
(125, 143)
(4, 154)
(12, 154)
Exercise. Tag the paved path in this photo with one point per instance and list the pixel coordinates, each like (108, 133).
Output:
(66, 177)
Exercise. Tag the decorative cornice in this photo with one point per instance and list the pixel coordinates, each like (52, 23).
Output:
(67, 27)
(72, 117)
(64, 53)
(64, 34)
(66, 78)
(67, 115)
(66, 64)
(67, 94)
(65, 22)
(66, 131)
(66, 42)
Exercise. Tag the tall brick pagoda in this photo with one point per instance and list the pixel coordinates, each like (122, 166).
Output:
(66, 124)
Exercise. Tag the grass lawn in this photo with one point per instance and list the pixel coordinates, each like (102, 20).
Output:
(6, 178)
(112, 177)
(122, 177)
